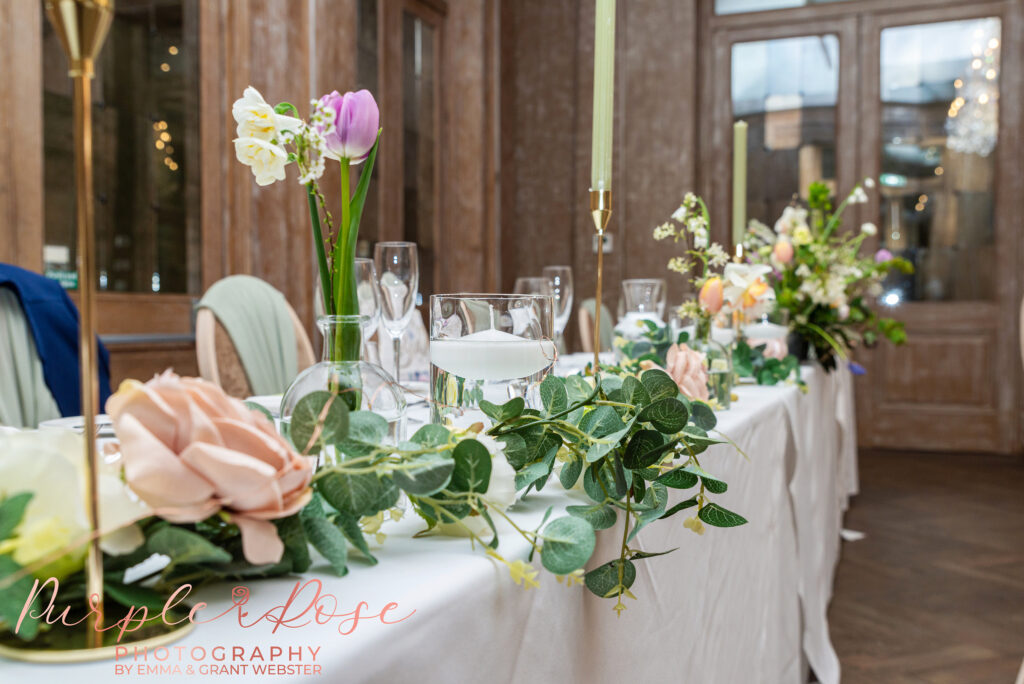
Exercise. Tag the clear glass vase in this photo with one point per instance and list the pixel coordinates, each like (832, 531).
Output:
(717, 362)
(362, 385)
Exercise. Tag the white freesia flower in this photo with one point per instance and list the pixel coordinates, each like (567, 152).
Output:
(679, 214)
(791, 219)
(266, 159)
(869, 228)
(257, 119)
(746, 288)
(869, 182)
(51, 465)
(858, 196)
(501, 493)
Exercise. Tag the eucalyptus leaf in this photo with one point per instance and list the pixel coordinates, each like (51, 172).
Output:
(367, 427)
(517, 453)
(472, 467)
(349, 526)
(578, 389)
(553, 395)
(599, 517)
(432, 435)
(713, 514)
(655, 500)
(185, 547)
(641, 555)
(702, 416)
(12, 600)
(430, 478)
(356, 495)
(634, 392)
(499, 414)
(667, 415)
(678, 478)
(602, 421)
(296, 547)
(711, 483)
(329, 541)
(570, 472)
(12, 509)
(318, 410)
(532, 473)
(604, 582)
(568, 545)
(659, 384)
(642, 450)
(129, 595)
(681, 506)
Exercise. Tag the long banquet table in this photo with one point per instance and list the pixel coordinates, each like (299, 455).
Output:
(746, 604)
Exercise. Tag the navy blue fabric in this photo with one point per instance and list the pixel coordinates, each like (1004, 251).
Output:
(53, 320)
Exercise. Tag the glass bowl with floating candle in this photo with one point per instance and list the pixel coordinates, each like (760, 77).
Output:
(492, 347)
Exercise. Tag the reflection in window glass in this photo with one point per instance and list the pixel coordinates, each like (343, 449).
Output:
(786, 91)
(737, 6)
(145, 152)
(940, 125)
(419, 143)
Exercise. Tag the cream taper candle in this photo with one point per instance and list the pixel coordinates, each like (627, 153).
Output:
(739, 181)
(604, 89)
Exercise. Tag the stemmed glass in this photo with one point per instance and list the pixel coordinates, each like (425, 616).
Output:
(369, 303)
(535, 285)
(398, 272)
(560, 278)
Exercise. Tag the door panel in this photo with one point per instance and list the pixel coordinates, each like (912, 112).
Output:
(935, 137)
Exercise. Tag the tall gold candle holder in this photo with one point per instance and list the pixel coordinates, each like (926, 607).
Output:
(82, 27)
(601, 211)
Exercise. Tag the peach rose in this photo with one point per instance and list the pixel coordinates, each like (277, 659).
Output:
(190, 451)
(686, 367)
(712, 295)
(783, 251)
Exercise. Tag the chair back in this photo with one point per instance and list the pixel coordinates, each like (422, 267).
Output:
(586, 322)
(25, 400)
(249, 340)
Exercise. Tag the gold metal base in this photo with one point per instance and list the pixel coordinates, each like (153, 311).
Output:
(69, 644)
(601, 211)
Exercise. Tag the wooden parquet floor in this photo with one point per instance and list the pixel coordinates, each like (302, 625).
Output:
(935, 592)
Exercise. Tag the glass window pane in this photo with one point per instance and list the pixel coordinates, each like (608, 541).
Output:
(940, 125)
(786, 91)
(419, 143)
(737, 6)
(145, 152)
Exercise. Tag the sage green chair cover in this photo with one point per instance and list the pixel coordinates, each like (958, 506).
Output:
(25, 400)
(607, 322)
(256, 318)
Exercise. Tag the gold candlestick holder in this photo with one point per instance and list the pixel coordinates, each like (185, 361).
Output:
(601, 211)
(82, 27)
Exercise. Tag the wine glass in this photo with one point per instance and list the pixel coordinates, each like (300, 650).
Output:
(535, 285)
(369, 302)
(398, 272)
(645, 296)
(560, 278)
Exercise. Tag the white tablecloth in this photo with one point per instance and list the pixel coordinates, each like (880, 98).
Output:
(735, 605)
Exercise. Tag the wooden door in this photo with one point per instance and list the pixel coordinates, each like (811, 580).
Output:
(904, 77)
(955, 384)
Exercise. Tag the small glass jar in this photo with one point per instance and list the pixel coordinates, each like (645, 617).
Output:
(717, 362)
(363, 386)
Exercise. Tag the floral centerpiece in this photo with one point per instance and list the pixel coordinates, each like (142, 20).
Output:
(821, 278)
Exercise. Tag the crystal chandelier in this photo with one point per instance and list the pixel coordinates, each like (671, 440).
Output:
(972, 124)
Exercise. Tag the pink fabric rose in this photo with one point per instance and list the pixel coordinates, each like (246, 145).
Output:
(190, 451)
(686, 367)
(775, 348)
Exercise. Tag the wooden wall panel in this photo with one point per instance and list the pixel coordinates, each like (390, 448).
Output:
(547, 102)
(21, 134)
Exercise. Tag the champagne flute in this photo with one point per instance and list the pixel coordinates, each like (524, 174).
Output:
(398, 273)
(560, 278)
(369, 302)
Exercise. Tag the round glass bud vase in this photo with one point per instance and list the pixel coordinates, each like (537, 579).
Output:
(717, 362)
(362, 385)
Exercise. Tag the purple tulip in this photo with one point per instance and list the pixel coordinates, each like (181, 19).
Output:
(883, 255)
(356, 122)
